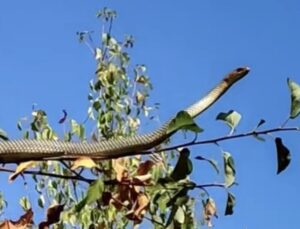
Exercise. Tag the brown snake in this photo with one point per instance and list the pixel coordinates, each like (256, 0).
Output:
(24, 150)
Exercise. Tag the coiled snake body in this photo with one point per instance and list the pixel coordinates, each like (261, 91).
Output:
(24, 150)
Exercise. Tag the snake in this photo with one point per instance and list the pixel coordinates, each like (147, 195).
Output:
(21, 150)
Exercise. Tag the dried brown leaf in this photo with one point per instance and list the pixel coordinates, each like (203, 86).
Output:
(145, 167)
(53, 215)
(209, 211)
(22, 223)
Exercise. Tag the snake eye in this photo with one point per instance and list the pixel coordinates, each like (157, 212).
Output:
(240, 69)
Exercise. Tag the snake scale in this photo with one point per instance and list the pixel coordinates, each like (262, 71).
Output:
(15, 151)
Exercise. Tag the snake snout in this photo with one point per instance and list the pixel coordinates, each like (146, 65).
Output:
(244, 70)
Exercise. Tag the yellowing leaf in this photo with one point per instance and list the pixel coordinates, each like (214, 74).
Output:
(98, 54)
(139, 97)
(231, 118)
(295, 98)
(120, 169)
(21, 168)
(179, 215)
(85, 162)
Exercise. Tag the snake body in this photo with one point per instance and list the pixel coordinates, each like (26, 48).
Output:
(24, 150)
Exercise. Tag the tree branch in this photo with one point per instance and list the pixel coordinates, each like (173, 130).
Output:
(226, 138)
(79, 178)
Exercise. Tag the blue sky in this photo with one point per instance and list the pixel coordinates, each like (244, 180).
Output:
(188, 46)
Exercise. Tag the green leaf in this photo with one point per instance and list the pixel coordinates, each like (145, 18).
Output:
(183, 121)
(179, 199)
(283, 155)
(25, 203)
(3, 135)
(213, 163)
(231, 118)
(230, 204)
(96, 105)
(261, 122)
(41, 201)
(259, 138)
(78, 129)
(94, 193)
(19, 125)
(295, 98)
(229, 169)
(183, 167)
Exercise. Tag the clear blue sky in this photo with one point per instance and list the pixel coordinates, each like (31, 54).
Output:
(188, 46)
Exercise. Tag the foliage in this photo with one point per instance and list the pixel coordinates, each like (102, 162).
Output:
(124, 191)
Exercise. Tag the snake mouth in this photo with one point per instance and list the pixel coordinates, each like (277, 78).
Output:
(242, 70)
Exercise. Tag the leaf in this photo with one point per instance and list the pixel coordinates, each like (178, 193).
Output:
(231, 118)
(259, 138)
(63, 119)
(94, 192)
(78, 129)
(183, 121)
(21, 168)
(142, 204)
(295, 98)
(98, 54)
(213, 163)
(25, 204)
(261, 122)
(140, 98)
(183, 167)
(229, 169)
(144, 167)
(177, 200)
(209, 211)
(85, 162)
(230, 204)
(53, 215)
(283, 155)
(119, 167)
(41, 201)
(25, 221)
(179, 215)
(3, 135)
(19, 125)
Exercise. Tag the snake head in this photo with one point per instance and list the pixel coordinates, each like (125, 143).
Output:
(236, 74)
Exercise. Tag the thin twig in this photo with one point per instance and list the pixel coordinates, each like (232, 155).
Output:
(214, 185)
(50, 175)
(225, 138)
